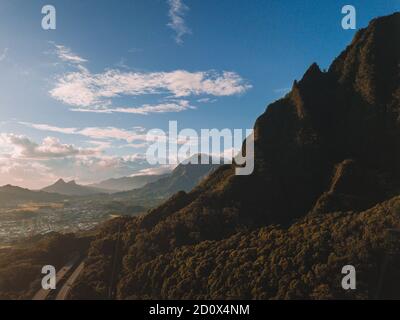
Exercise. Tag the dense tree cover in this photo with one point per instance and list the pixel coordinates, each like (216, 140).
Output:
(302, 261)
(21, 265)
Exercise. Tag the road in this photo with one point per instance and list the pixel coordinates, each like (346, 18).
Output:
(111, 289)
(64, 292)
(44, 294)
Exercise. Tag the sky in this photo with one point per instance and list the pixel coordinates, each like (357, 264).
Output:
(76, 102)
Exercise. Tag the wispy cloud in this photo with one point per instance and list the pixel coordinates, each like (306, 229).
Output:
(176, 13)
(136, 137)
(206, 100)
(112, 133)
(46, 127)
(66, 55)
(3, 55)
(146, 109)
(96, 133)
(282, 90)
(135, 50)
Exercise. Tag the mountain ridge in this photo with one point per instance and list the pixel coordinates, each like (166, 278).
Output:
(12, 195)
(183, 178)
(126, 183)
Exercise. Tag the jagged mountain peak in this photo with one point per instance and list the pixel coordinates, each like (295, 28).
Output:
(370, 64)
(312, 73)
(301, 138)
(71, 188)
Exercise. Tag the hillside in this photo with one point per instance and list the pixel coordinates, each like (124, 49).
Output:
(324, 194)
(21, 264)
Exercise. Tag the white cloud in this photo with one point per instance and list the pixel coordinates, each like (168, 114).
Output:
(38, 173)
(112, 133)
(27, 163)
(83, 89)
(30, 174)
(176, 13)
(46, 127)
(34, 165)
(137, 134)
(3, 55)
(24, 148)
(66, 55)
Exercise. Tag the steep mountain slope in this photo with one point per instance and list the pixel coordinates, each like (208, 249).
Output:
(10, 196)
(126, 183)
(72, 189)
(183, 178)
(326, 152)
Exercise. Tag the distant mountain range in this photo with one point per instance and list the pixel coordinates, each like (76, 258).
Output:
(126, 183)
(72, 189)
(183, 178)
(11, 195)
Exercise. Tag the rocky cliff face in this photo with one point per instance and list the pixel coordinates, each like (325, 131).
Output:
(349, 114)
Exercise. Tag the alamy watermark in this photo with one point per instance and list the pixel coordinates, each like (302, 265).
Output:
(49, 281)
(212, 145)
(349, 21)
(49, 19)
(349, 280)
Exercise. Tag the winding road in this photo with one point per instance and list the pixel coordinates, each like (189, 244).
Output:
(64, 292)
(43, 294)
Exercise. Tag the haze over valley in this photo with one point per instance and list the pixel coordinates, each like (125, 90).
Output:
(69, 207)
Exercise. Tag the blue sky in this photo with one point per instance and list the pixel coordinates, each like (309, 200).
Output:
(130, 66)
